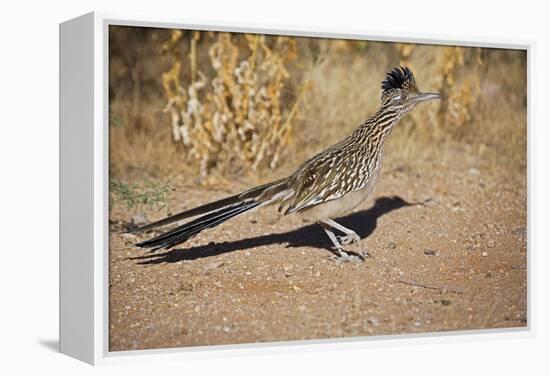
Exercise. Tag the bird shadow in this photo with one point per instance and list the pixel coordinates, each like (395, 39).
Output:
(362, 222)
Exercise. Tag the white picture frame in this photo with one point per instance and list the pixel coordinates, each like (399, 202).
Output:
(84, 192)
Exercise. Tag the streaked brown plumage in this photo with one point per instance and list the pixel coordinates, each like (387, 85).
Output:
(328, 185)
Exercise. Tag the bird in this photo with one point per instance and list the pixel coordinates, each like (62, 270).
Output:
(327, 186)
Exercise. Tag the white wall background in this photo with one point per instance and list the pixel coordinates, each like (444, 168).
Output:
(29, 183)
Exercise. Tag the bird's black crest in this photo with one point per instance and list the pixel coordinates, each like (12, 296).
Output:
(398, 78)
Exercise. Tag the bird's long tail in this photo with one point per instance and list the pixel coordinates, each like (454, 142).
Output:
(211, 215)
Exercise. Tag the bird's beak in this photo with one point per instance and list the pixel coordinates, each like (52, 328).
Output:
(422, 97)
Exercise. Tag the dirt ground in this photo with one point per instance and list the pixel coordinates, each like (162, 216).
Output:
(448, 251)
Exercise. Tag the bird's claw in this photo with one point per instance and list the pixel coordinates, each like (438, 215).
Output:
(343, 256)
(349, 239)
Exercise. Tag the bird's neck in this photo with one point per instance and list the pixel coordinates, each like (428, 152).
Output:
(379, 125)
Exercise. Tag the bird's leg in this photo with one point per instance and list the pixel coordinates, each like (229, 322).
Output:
(339, 250)
(350, 235)
(340, 253)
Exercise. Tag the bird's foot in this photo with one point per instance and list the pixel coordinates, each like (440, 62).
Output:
(343, 256)
(349, 239)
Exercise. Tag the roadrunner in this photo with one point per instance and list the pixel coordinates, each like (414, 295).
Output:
(327, 186)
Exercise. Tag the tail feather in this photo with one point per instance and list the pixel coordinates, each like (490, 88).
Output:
(189, 230)
(189, 213)
(213, 206)
(213, 214)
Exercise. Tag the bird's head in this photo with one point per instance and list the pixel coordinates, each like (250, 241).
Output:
(399, 89)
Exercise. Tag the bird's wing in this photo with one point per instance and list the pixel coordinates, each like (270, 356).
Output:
(328, 177)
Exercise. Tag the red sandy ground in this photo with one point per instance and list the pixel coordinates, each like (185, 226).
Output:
(448, 252)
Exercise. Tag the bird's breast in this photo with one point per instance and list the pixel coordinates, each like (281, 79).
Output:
(342, 206)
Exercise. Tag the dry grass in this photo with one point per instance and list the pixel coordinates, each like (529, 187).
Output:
(206, 105)
(234, 119)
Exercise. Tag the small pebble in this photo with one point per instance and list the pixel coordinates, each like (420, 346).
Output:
(129, 236)
(288, 270)
(212, 266)
(392, 245)
(139, 219)
(484, 254)
(373, 320)
(430, 252)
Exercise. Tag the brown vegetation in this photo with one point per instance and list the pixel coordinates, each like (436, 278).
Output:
(235, 118)
(212, 105)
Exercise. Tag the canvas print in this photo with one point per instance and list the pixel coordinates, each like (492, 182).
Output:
(268, 188)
